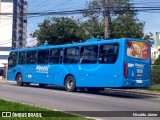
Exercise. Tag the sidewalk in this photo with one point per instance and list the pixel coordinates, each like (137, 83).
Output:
(148, 92)
(134, 91)
(2, 80)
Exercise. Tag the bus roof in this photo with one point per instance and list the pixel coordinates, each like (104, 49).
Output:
(92, 41)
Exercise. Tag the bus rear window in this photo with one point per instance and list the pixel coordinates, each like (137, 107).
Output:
(137, 49)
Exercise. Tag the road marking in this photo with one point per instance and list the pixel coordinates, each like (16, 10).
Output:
(9, 85)
(74, 94)
(4, 85)
(80, 94)
(61, 92)
(6, 81)
(11, 81)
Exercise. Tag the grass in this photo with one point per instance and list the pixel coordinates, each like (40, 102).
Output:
(152, 89)
(155, 88)
(7, 106)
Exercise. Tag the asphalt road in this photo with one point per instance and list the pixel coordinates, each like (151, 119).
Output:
(59, 99)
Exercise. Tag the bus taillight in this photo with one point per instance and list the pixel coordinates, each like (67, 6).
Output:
(125, 70)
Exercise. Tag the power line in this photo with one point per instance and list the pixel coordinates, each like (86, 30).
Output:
(41, 5)
(66, 1)
(10, 41)
(141, 9)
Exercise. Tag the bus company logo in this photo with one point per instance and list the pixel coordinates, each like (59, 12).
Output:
(21, 114)
(42, 68)
(130, 65)
(139, 65)
(6, 114)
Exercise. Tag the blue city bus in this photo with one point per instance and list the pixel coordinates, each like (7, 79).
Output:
(94, 64)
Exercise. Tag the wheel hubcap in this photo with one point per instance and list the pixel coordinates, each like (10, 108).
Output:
(70, 84)
(19, 80)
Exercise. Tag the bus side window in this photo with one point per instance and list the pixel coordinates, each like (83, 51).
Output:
(12, 59)
(21, 59)
(71, 55)
(56, 56)
(88, 54)
(111, 56)
(108, 53)
(43, 56)
(31, 57)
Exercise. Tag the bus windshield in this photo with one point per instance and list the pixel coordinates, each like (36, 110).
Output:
(137, 49)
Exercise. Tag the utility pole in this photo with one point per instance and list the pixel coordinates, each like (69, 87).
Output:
(106, 13)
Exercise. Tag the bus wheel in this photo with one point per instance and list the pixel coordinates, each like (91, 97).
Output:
(70, 84)
(19, 80)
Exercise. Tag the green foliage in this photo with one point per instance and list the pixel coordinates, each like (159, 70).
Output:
(127, 26)
(59, 31)
(93, 27)
(157, 61)
(67, 30)
(155, 75)
(116, 8)
(155, 88)
(156, 72)
(124, 23)
(149, 37)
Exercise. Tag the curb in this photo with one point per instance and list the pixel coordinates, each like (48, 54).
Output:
(4, 80)
(134, 91)
(109, 90)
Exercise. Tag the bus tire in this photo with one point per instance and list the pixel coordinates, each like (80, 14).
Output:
(19, 80)
(70, 84)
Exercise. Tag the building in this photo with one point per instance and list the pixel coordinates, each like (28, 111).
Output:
(6, 18)
(157, 38)
(155, 52)
(13, 27)
(19, 24)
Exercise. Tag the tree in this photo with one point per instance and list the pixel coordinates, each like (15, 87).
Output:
(157, 61)
(156, 72)
(124, 22)
(149, 37)
(59, 31)
(127, 25)
(116, 7)
(93, 27)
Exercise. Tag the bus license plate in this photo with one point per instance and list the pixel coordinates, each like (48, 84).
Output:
(139, 81)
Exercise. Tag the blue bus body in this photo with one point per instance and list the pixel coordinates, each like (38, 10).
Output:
(124, 72)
